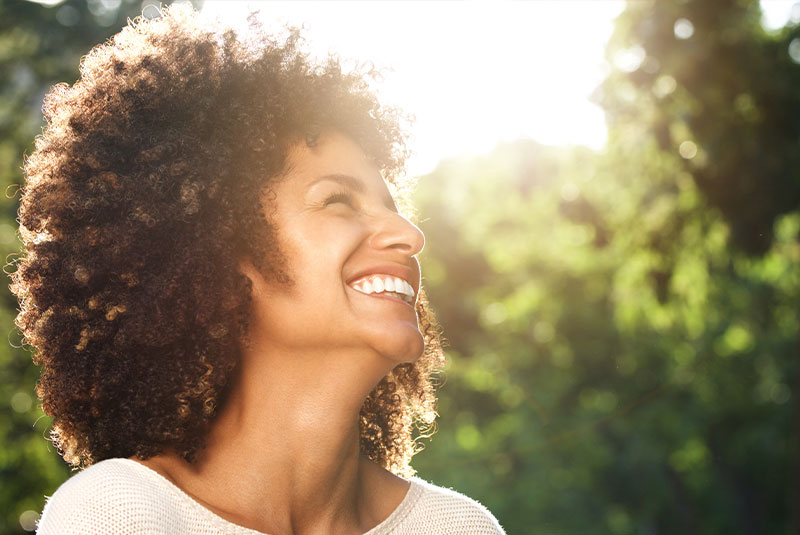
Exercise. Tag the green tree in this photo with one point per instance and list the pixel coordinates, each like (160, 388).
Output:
(623, 326)
(720, 95)
(707, 76)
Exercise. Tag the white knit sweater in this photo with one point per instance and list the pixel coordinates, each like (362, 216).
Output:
(120, 496)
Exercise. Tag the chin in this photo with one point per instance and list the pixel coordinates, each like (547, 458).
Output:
(407, 350)
(414, 351)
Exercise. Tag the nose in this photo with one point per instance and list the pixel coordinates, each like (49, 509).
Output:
(395, 232)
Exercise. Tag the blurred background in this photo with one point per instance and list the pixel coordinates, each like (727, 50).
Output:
(611, 197)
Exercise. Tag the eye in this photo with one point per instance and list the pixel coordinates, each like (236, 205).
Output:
(340, 197)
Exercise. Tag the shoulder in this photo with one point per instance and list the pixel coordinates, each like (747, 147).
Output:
(444, 511)
(116, 496)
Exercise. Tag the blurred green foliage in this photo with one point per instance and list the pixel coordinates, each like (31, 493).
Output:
(623, 326)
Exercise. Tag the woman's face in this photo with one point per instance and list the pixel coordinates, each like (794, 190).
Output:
(350, 255)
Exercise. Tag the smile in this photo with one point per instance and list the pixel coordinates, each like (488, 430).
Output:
(387, 285)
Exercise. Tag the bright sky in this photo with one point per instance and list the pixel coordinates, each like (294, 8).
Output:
(474, 73)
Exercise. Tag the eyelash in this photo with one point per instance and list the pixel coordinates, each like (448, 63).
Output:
(343, 197)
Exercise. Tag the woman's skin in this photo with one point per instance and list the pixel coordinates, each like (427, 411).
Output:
(283, 454)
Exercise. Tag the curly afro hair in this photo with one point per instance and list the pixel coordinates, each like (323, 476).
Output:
(142, 193)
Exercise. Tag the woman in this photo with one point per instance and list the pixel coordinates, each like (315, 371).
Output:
(223, 296)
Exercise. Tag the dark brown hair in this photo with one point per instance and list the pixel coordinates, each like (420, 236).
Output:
(142, 194)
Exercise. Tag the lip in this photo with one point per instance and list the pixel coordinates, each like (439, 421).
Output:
(406, 273)
(387, 297)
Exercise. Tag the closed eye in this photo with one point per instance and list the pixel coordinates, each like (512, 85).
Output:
(340, 197)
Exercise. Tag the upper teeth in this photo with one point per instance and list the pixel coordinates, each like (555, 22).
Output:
(375, 284)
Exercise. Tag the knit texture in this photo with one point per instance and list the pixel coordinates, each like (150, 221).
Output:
(121, 496)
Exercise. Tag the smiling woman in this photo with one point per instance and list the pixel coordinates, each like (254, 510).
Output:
(223, 297)
(342, 237)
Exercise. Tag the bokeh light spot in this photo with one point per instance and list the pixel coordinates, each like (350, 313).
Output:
(688, 150)
(693, 455)
(629, 59)
(68, 16)
(736, 339)
(104, 11)
(794, 50)
(21, 402)
(28, 520)
(100, 7)
(494, 313)
(683, 28)
(468, 437)
(664, 85)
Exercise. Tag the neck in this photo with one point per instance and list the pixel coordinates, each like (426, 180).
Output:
(285, 447)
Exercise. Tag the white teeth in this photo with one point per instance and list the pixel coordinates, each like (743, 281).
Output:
(409, 289)
(380, 284)
(377, 285)
(389, 284)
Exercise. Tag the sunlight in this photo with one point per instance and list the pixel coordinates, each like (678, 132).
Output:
(473, 73)
(776, 13)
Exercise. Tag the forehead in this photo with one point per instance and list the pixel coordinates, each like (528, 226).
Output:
(334, 155)
(332, 150)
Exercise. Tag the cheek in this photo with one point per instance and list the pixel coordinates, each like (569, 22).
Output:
(329, 241)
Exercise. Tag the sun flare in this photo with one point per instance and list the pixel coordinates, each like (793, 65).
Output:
(473, 73)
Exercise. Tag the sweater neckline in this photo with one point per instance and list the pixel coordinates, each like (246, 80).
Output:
(414, 492)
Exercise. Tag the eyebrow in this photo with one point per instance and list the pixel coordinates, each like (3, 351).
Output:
(345, 180)
(356, 185)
